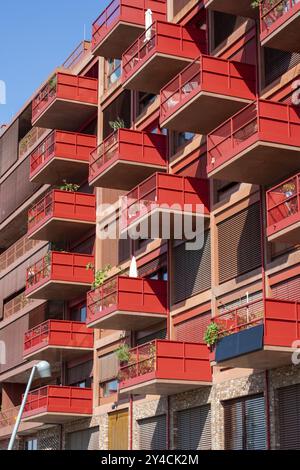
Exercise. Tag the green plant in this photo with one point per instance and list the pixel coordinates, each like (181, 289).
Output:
(100, 274)
(52, 83)
(117, 124)
(123, 353)
(211, 334)
(69, 187)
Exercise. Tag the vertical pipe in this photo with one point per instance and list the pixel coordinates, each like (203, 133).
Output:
(131, 422)
(267, 406)
(168, 424)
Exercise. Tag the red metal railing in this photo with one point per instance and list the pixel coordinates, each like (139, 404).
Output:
(43, 153)
(142, 361)
(283, 201)
(39, 272)
(125, 10)
(166, 38)
(215, 75)
(77, 55)
(58, 333)
(271, 11)
(241, 318)
(139, 295)
(63, 205)
(16, 251)
(268, 121)
(66, 87)
(129, 145)
(55, 399)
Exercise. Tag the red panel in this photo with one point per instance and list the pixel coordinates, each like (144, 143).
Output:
(283, 205)
(208, 74)
(161, 189)
(128, 145)
(65, 87)
(274, 14)
(53, 399)
(264, 121)
(127, 11)
(163, 38)
(62, 145)
(58, 333)
(128, 295)
(62, 205)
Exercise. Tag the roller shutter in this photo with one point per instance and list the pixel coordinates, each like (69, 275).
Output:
(153, 433)
(194, 429)
(88, 439)
(287, 290)
(153, 266)
(193, 330)
(192, 270)
(289, 417)
(245, 423)
(239, 243)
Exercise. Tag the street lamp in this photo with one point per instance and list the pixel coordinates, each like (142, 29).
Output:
(43, 368)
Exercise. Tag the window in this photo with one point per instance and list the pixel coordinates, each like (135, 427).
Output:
(153, 433)
(288, 402)
(245, 423)
(109, 388)
(31, 444)
(144, 100)
(181, 139)
(78, 313)
(194, 428)
(114, 71)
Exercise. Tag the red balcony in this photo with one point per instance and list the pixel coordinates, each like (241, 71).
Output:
(60, 215)
(126, 158)
(258, 335)
(233, 7)
(125, 303)
(65, 102)
(283, 211)
(165, 368)
(58, 405)
(59, 276)
(120, 24)
(258, 145)
(62, 155)
(57, 339)
(280, 24)
(164, 204)
(205, 93)
(159, 54)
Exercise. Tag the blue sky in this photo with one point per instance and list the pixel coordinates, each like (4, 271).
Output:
(35, 37)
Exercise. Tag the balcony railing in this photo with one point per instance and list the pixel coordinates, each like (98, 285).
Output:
(214, 76)
(262, 123)
(139, 149)
(57, 401)
(64, 207)
(283, 206)
(271, 11)
(16, 251)
(15, 305)
(59, 269)
(232, 7)
(30, 140)
(69, 146)
(128, 13)
(58, 334)
(66, 87)
(77, 55)
(164, 191)
(165, 361)
(165, 39)
(122, 302)
(241, 318)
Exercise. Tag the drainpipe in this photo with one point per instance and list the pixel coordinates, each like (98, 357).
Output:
(168, 424)
(131, 422)
(267, 406)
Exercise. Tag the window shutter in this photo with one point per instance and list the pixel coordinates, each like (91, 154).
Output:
(239, 243)
(161, 334)
(80, 373)
(153, 433)
(289, 417)
(192, 270)
(193, 330)
(153, 266)
(194, 428)
(278, 62)
(245, 423)
(287, 290)
(88, 439)
(108, 367)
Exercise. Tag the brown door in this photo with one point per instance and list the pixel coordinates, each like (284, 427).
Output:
(118, 430)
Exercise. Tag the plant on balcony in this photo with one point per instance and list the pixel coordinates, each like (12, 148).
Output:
(289, 189)
(52, 83)
(212, 334)
(123, 353)
(69, 187)
(117, 124)
(100, 275)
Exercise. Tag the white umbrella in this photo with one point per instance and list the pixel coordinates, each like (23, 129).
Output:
(148, 24)
(133, 271)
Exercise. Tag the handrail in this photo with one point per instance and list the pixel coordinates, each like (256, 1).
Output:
(270, 11)
(76, 56)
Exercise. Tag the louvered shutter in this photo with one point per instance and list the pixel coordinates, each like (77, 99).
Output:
(278, 62)
(194, 429)
(193, 330)
(161, 334)
(289, 417)
(287, 290)
(88, 439)
(245, 423)
(192, 270)
(241, 301)
(153, 266)
(108, 367)
(153, 433)
(239, 243)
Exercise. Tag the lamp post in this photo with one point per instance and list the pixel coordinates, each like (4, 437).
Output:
(43, 368)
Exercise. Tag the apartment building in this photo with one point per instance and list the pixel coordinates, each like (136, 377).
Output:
(201, 107)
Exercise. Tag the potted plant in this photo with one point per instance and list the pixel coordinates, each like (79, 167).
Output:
(117, 124)
(69, 187)
(123, 354)
(211, 335)
(100, 274)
